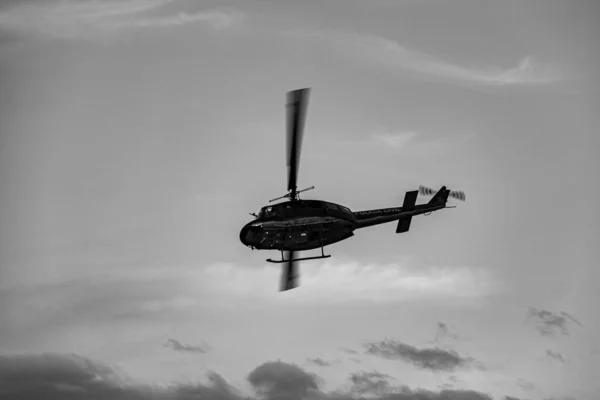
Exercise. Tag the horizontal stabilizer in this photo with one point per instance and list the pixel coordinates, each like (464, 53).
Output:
(403, 225)
(410, 198)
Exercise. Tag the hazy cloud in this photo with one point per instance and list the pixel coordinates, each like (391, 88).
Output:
(138, 292)
(419, 144)
(548, 323)
(442, 333)
(345, 281)
(319, 362)
(386, 53)
(337, 281)
(76, 19)
(395, 140)
(453, 381)
(525, 385)
(178, 346)
(434, 359)
(555, 356)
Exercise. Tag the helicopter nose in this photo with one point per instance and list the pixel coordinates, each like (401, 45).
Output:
(249, 234)
(244, 234)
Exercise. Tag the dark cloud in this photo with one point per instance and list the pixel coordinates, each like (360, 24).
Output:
(555, 356)
(434, 359)
(178, 346)
(319, 362)
(70, 377)
(548, 323)
(281, 381)
(370, 382)
(38, 376)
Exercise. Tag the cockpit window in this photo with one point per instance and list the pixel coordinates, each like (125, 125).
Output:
(266, 212)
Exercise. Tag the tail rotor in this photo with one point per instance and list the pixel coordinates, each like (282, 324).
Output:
(455, 194)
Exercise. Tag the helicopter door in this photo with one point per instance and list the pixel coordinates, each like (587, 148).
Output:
(314, 235)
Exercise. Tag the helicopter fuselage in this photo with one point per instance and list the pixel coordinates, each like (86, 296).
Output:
(298, 225)
(297, 234)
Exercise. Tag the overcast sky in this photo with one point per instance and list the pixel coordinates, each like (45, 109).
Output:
(137, 135)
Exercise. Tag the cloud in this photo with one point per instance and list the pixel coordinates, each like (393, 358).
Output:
(178, 346)
(370, 382)
(548, 323)
(434, 359)
(386, 53)
(71, 19)
(68, 376)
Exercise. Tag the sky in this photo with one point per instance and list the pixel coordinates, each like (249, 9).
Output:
(136, 136)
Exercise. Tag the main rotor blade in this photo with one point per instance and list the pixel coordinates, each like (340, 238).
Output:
(289, 277)
(297, 102)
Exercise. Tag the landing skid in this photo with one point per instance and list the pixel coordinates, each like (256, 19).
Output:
(299, 259)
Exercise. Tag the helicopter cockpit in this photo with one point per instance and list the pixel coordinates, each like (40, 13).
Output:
(278, 211)
(267, 212)
(304, 208)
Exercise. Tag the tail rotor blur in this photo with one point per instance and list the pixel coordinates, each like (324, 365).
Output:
(455, 194)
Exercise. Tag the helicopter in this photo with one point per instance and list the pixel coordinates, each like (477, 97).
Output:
(297, 225)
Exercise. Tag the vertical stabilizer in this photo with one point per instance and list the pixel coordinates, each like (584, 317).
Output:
(440, 198)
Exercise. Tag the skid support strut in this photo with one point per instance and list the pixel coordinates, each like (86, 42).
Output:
(323, 255)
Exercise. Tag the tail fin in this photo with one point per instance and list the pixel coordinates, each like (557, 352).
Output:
(440, 198)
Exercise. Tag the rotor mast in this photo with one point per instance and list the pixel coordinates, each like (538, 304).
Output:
(295, 193)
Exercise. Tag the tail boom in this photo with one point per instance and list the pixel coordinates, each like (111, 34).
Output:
(402, 214)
